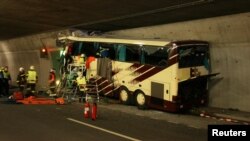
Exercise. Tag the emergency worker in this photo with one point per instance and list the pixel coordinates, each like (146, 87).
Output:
(52, 81)
(82, 59)
(2, 91)
(32, 79)
(68, 56)
(7, 80)
(89, 68)
(71, 78)
(81, 85)
(21, 79)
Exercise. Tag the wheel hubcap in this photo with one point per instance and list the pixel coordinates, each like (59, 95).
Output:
(140, 99)
(124, 95)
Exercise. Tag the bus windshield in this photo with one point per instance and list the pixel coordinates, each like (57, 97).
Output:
(195, 55)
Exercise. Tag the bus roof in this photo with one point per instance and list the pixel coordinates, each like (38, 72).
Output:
(116, 40)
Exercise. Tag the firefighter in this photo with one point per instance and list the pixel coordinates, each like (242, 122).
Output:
(2, 91)
(81, 83)
(52, 81)
(81, 59)
(21, 79)
(7, 80)
(90, 66)
(68, 56)
(32, 79)
(71, 78)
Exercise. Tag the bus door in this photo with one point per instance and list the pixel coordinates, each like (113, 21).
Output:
(159, 93)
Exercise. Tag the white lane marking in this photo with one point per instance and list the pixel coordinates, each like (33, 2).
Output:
(105, 130)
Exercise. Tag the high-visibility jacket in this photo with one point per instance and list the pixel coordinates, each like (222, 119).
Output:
(6, 75)
(81, 60)
(81, 82)
(31, 76)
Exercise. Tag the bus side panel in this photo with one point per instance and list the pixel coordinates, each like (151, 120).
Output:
(162, 98)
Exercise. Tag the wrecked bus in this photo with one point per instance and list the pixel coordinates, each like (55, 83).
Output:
(165, 75)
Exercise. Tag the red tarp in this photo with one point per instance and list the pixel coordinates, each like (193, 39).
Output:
(34, 100)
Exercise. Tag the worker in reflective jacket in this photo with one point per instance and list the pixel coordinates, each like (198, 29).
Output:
(81, 83)
(32, 79)
(81, 59)
(7, 80)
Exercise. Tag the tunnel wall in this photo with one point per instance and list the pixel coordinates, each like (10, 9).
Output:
(25, 51)
(229, 37)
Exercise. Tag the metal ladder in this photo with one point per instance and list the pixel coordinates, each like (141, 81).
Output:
(92, 92)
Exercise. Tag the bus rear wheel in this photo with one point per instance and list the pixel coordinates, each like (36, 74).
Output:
(141, 100)
(124, 95)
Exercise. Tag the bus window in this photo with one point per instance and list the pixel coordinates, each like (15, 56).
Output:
(126, 53)
(121, 52)
(142, 55)
(190, 56)
(156, 55)
(87, 48)
(132, 53)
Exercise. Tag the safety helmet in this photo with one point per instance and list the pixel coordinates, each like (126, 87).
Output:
(32, 67)
(79, 73)
(52, 70)
(82, 55)
(21, 69)
(6, 68)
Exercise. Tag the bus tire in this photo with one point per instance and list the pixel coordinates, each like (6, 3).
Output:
(141, 100)
(124, 95)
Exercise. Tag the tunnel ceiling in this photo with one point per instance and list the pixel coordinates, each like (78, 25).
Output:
(26, 17)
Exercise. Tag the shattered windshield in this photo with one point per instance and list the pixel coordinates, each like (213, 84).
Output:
(195, 55)
(156, 55)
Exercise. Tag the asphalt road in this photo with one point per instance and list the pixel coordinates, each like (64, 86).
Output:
(114, 122)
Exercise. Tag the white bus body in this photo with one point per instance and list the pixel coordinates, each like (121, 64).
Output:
(132, 70)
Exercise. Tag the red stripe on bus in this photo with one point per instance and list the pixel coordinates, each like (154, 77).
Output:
(135, 65)
(143, 69)
(173, 60)
(147, 74)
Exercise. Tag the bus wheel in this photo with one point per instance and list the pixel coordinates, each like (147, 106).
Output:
(124, 95)
(141, 100)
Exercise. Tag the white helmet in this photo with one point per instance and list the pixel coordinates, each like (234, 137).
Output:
(79, 73)
(32, 67)
(52, 70)
(21, 69)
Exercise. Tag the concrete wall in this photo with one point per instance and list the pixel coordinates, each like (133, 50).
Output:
(230, 53)
(24, 52)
